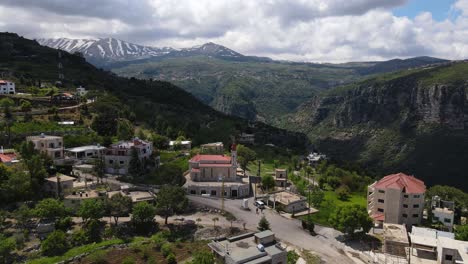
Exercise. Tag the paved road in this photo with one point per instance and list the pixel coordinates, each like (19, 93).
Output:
(288, 230)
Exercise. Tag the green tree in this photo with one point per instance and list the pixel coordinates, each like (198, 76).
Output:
(37, 171)
(6, 102)
(135, 167)
(55, 244)
(203, 257)
(160, 141)
(333, 181)
(105, 123)
(91, 209)
(263, 224)
(99, 168)
(26, 150)
(143, 214)
(268, 182)
(245, 156)
(292, 257)
(342, 192)
(7, 245)
(125, 129)
(316, 197)
(348, 219)
(119, 205)
(22, 215)
(171, 199)
(25, 105)
(461, 233)
(50, 208)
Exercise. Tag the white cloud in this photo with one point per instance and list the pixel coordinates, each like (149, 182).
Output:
(304, 30)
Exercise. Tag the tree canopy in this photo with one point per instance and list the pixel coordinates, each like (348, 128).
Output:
(119, 205)
(171, 199)
(349, 219)
(263, 224)
(50, 208)
(91, 209)
(245, 156)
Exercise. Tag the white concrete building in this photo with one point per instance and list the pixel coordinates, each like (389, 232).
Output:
(52, 146)
(443, 212)
(81, 91)
(7, 87)
(85, 152)
(117, 157)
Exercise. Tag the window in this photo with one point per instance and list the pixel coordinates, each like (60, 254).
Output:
(381, 191)
(448, 257)
(122, 162)
(405, 206)
(380, 201)
(60, 144)
(51, 145)
(405, 215)
(213, 192)
(447, 220)
(380, 210)
(111, 162)
(435, 218)
(203, 192)
(415, 205)
(417, 196)
(406, 196)
(193, 192)
(415, 215)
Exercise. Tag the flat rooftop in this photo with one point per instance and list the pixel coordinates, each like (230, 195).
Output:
(443, 210)
(395, 233)
(43, 137)
(85, 148)
(245, 250)
(83, 195)
(286, 197)
(62, 178)
(189, 182)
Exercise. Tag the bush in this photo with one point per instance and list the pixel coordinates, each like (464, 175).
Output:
(98, 257)
(166, 249)
(343, 192)
(79, 238)
(55, 244)
(171, 259)
(158, 240)
(128, 260)
(292, 257)
(64, 223)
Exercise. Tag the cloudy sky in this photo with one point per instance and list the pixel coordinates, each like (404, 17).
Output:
(301, 30)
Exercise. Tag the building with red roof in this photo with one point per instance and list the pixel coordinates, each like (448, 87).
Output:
(8, 158)
(396, 199)
(210, 174)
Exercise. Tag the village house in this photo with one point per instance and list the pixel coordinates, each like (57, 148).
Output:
(74, 200)
(396, 199)
(85, 152)
(7, 87)
(210, 174)
(212, 148)
(117, 157)
(443, 212)
(52, 146)
(180, 145)
(281, 178)
(290, 202)
(8, 157)
(136, 196)
(260, 247)
(81, 91)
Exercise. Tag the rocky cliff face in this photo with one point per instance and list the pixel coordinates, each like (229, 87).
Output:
(445, 105)
(416, 123)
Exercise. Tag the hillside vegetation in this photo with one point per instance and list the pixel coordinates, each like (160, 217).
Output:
(412, 121)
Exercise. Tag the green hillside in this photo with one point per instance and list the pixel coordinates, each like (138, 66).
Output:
(413, 121)
(155, 104)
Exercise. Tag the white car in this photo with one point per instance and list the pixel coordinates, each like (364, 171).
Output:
(259, 204)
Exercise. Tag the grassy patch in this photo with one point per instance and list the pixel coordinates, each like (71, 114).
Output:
(76, 251)
(330, 202)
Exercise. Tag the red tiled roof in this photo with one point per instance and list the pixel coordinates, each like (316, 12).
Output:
(378, 217)
(208, 165)
(409, 184)
(199, 158)
(7, 157)
(3, 82)
(195, 170)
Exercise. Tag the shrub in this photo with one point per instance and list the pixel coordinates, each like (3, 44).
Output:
(98, 257)
(171, 259)
(55, 244)
(292, 257)
(128, 260)
(166, 249)
(342, 192)
(158, 240)
(64, 223)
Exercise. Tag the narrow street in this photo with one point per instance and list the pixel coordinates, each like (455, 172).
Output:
(287, 230)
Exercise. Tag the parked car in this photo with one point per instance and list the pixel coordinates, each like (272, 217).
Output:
(259, 204)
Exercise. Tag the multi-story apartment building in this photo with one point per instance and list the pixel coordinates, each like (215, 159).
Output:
(117, 157)
(52, 146)
(7, 87)
(396, 199)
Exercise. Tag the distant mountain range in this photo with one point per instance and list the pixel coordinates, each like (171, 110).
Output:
(104, 51)
(255, 88)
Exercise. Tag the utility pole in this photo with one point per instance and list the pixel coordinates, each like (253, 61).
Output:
(221, 178)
